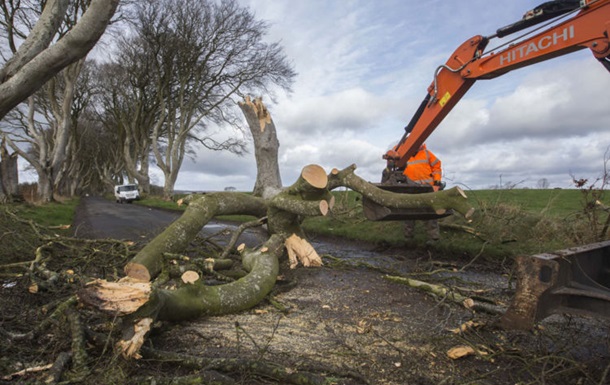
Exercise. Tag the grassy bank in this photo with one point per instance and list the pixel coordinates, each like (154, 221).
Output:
(54, 214)
(506, 223)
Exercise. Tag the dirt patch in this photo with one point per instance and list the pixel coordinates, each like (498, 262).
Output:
(344, 321)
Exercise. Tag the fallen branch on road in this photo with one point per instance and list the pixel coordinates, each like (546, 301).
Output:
(447, 293)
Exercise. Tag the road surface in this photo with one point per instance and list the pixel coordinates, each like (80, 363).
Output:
(99, 218)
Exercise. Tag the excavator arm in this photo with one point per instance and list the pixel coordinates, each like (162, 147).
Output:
(586, 25)
(572, 25)
(574, 280)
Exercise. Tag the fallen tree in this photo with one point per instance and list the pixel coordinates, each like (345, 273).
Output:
(309, 196)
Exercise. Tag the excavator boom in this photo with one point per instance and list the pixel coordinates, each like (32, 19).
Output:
(574, 280)
(589, 27)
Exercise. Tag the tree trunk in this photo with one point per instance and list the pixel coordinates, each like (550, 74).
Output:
(9, 174)
(45, 188)
(266, 145)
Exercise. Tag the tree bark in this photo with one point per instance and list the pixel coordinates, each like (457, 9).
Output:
(176, 237)
(9, 174)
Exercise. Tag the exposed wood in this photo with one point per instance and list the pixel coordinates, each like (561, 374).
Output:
(190, 276)
(266, 146)
(25, 371)
(209, 264)
(130, 347)
(299, 250)
(315, 176)
(121, 298)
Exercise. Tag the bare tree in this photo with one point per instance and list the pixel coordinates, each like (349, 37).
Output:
(204, 56)
(543, 183)
(62, 36)
(49, 121)
(129, 108)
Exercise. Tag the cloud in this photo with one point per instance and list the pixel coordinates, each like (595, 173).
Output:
(365, 66)
(351, 109)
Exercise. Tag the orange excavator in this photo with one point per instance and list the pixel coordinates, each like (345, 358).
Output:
(588, 27)
(575, 280)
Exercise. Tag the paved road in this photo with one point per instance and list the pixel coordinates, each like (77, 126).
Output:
(99, 218)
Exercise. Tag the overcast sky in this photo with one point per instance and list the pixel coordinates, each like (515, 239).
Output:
(363, 68)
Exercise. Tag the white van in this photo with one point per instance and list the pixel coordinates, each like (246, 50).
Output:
(126, 193)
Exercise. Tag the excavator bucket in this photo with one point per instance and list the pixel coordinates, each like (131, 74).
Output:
(575, 280)
(376, 212)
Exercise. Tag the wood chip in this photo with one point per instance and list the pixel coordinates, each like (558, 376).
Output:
(460, 352)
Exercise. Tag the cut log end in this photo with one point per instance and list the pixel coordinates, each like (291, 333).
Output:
(462, 193)
(190, 276)
(209, 264)
(137, 271)
(315, 176)
(121, 298)
(469, 214)
(324, 208)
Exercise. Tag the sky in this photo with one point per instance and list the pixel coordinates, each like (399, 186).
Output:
(363, 68)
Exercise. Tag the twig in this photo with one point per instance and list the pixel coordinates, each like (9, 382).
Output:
(446, 293)
(238, 232)
(27, 370)
(58, 367)
(475, 257)
(45, 324)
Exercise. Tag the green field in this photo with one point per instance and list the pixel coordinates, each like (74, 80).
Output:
(557, 203)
